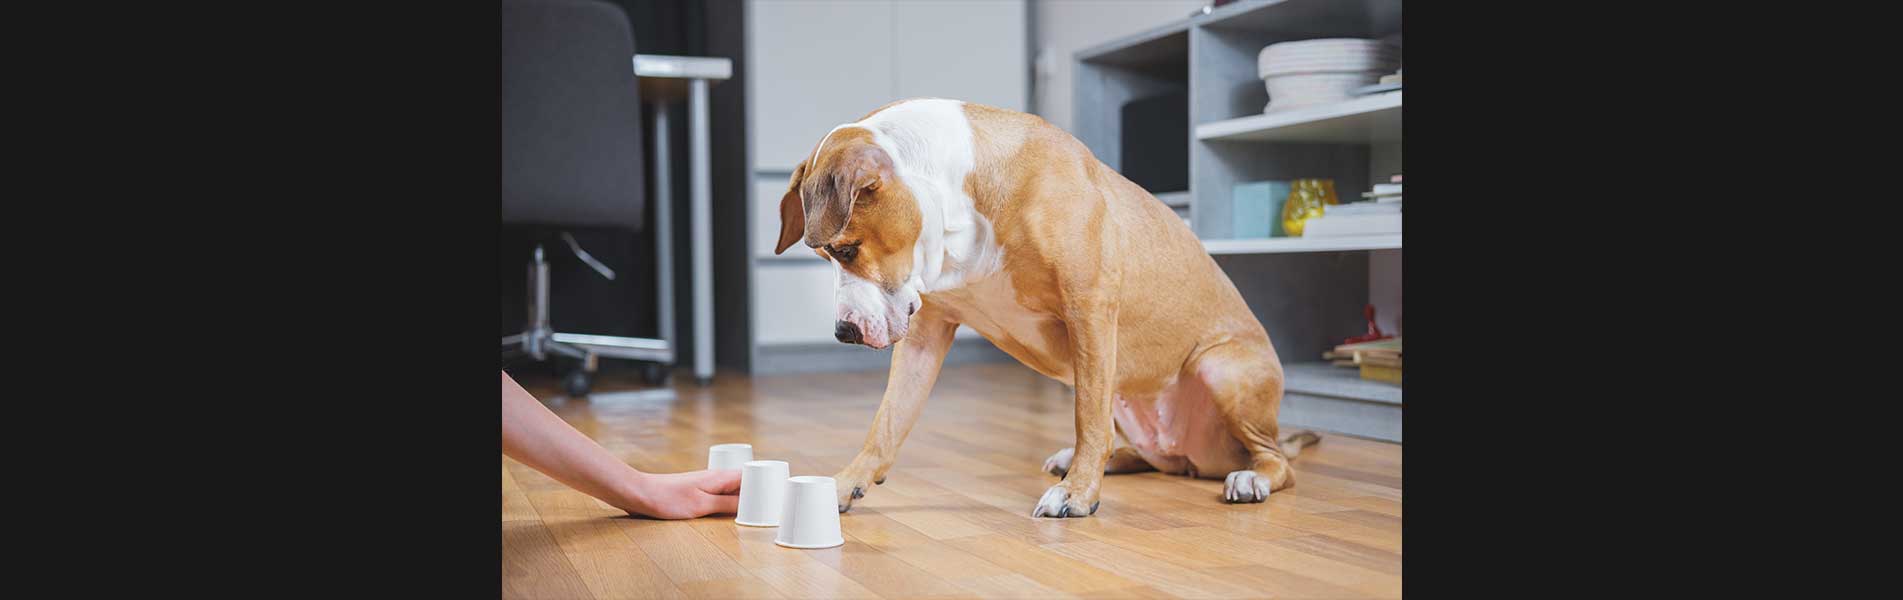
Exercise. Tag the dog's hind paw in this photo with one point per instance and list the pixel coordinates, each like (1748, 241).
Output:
(1245, 486)
(1059, 464)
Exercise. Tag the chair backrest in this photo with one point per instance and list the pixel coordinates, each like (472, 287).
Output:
(571, 115)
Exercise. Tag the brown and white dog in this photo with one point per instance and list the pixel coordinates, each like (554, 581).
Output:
(938, 212)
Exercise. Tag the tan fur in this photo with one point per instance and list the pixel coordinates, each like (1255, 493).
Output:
(1125, 297)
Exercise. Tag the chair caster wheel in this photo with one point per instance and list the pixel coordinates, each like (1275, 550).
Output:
(577, 382)
(655, 373)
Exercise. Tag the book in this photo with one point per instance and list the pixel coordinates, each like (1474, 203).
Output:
(1381, 374)
(1358, 208)
(1378, 359)
(1391, 344)
(1353, 224)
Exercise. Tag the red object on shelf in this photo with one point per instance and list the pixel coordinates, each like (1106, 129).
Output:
(1374, 331)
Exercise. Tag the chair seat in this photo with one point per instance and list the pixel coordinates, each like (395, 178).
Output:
(571, 116)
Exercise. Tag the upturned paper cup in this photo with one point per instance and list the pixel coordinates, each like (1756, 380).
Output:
(811, 517)
(729, 456)
(762, 493)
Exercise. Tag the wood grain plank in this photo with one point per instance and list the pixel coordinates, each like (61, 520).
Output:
(1010, 585)
(1325, 546)
(1367, 518)
(515, 503)
(1053, 570)
(750, 547)
(1163, 576)
(885, 575)
(533, 565)
(607, 561)
(1372, 503)
(915, 548)
(748, 587)
(681, 552)
(812, 580)
(1271, 582)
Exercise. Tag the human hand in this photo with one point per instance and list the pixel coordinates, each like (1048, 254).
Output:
(686, 495)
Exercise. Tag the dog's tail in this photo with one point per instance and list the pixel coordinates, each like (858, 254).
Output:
(1293, 444)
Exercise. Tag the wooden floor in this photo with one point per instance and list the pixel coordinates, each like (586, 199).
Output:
(953, 518)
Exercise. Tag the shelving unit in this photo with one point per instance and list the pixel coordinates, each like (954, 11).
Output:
(1308, 292)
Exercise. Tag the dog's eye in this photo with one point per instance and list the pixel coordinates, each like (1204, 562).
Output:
(844, 253)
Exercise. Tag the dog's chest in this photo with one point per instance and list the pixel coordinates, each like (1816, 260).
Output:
(990, 307)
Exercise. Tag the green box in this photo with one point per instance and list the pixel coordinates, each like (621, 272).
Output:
(1257, 209)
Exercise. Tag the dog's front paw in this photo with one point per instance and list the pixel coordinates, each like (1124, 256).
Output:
(1061, 502)
(1245, 486)
(1059, 464)
(850, 487)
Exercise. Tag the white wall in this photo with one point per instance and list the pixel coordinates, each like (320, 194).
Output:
(1065, 26)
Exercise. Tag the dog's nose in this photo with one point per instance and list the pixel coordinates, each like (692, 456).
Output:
(846, 332)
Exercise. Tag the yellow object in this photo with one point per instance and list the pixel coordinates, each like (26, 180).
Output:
(1306, 198)
(1384, 374)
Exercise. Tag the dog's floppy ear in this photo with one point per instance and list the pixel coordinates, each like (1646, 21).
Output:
(854, 173)
(792, 214)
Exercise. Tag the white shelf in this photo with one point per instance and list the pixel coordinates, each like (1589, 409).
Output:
(1323, 379)
(1174, 199)
(1374, 118)
(1300, 244)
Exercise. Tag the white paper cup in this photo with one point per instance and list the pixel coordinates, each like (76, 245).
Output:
(762, 493)
(811, 517)
(729, 456)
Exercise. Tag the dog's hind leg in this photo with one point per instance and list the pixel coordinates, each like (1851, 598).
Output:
(1245, 380)
(1123, 459)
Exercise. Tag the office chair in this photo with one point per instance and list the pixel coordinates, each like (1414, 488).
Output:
(571, 157)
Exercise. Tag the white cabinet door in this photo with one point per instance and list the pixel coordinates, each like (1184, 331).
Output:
(793, 303)
(971, 50)
(815, 64)
(767, 190)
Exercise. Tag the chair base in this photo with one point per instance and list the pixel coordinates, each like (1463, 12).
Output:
(539, 340)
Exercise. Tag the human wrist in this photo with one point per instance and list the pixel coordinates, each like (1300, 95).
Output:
(632, 492)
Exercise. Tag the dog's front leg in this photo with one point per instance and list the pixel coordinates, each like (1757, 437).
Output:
(1090, 318)
(915, 363)
(1094, 364)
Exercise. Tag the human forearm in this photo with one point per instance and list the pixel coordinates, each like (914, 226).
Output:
(536, 437)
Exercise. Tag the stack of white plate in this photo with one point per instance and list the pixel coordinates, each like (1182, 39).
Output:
(1311, 72)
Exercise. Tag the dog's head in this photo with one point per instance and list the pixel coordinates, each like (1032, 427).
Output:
(849, 205)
